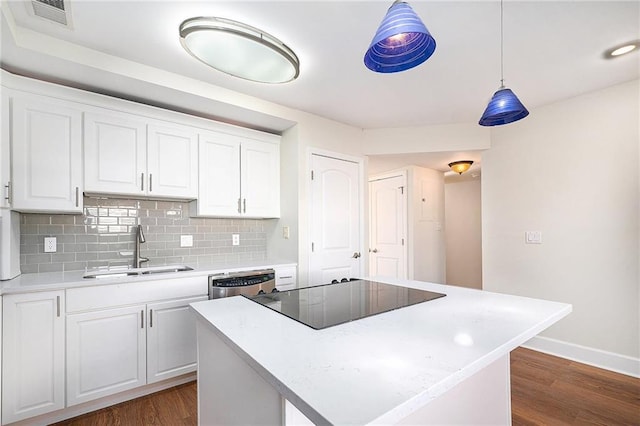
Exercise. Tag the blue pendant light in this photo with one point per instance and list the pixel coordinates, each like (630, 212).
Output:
(504, 107)
(401, 42)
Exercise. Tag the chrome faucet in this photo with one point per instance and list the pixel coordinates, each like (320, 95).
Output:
(137, 259)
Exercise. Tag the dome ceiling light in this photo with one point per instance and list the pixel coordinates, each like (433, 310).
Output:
(239, 50)
(622, 49)
(460, 166)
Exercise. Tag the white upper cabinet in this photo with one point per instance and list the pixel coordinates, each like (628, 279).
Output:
(238, 177)
(46, 150)
(124, 154)
(260, 179)
(219, 175)
(115, 153)
(172, 161)
(5, 140)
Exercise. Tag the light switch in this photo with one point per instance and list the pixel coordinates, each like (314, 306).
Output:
(186, 240)
(533, 237)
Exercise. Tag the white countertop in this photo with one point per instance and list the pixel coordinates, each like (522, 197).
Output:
(62, 280)
(381, 368)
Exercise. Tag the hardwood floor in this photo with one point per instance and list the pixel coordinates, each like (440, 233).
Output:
(545, 390)
(171, 407)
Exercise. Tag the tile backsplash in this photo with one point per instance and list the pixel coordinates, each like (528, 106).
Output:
(104, 236)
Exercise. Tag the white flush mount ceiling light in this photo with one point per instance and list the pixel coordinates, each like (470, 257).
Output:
(622, 49)
(239, 50)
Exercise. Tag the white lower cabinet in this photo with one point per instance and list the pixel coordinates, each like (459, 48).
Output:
(286, 278)
(114, 350)
(106, 353)
(171, 339)
(33, 336)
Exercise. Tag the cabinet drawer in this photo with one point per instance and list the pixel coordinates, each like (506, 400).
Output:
(286, 277)
(130, 293)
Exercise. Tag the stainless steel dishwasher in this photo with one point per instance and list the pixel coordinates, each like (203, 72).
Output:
(249, 283)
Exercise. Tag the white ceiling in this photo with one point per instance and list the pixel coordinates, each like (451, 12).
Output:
(553, 51)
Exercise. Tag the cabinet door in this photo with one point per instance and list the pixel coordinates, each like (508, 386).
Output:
(171, 339)
(260, 179)
(33, 337)
(47, 155)
(219, 175)
(115, 154)
(5, 138)
(172, 162)
(106, 353)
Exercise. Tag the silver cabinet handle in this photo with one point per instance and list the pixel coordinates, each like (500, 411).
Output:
(142, 318)
(58, 306)
(286, 278)
(244, 202)
(150, 182)
(356, 255)
(142, 182)
(150, 317)
(77, 196)
(8, 197)
(239, 206)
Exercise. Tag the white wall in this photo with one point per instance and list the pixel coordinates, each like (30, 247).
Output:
(571, 171)
(448, 137)
(279, 248)
(426, 241)
(463, 235)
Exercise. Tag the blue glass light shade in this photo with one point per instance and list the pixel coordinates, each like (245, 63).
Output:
(401, 42)
(504, 108)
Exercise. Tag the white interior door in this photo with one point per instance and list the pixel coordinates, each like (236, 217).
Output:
(335, 220)
(388, 225)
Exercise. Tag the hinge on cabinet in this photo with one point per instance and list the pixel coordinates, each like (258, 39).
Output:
(311, 174)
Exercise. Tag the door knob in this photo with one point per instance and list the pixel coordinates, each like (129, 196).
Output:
(356, 255)
(374, 250)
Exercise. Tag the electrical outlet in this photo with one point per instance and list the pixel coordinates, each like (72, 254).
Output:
(50, 244)
(235, 239)
(285, 232)
(186, 240)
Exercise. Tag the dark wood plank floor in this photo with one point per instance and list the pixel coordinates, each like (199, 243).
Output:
(545, 390)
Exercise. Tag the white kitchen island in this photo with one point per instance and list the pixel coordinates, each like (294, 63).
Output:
(444, 361)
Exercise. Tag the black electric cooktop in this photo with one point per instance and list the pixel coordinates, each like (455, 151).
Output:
(332, 304)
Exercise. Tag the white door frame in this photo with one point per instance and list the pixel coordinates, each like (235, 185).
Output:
(363, 195)
(388, 175)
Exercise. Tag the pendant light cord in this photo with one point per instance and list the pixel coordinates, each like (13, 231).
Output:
(501, 44)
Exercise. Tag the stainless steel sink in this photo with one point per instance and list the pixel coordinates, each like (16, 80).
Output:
(164, 269)
(113, 273)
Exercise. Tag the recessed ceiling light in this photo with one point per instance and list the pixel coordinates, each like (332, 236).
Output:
(622, 49)
(239, 50)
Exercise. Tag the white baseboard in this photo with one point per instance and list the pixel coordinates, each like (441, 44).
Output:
(107, 401)
(598, 358)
